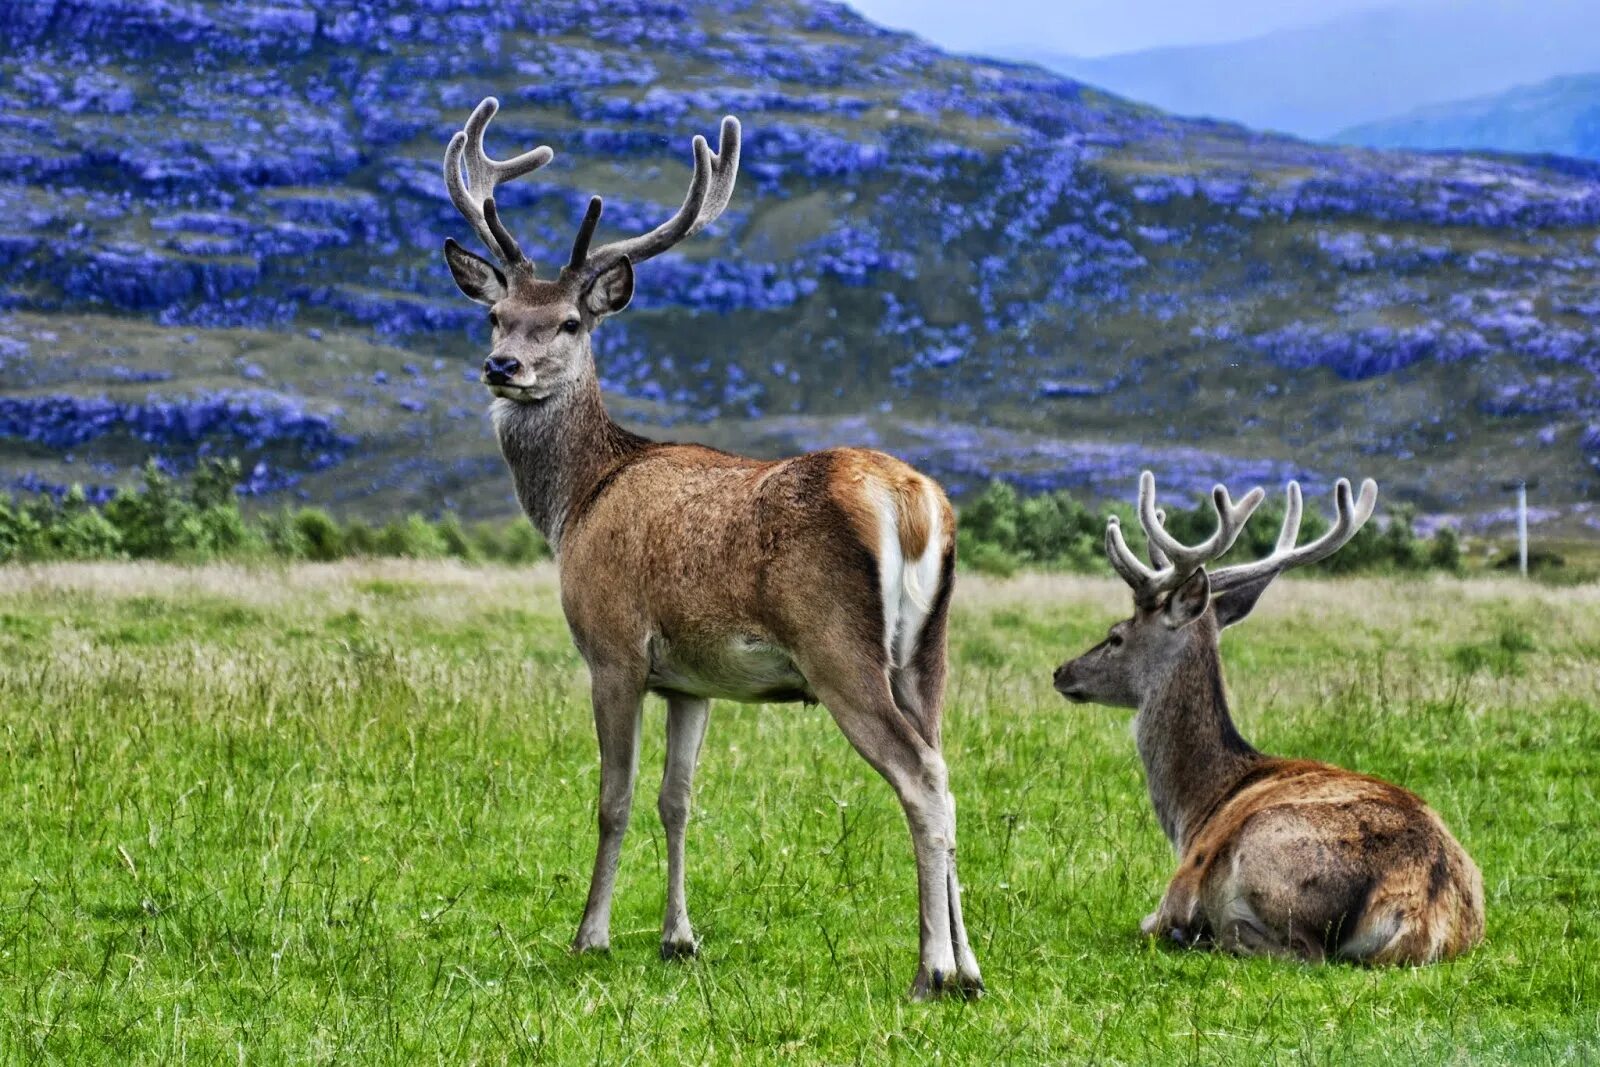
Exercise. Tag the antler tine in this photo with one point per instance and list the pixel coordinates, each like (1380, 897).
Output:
(580, 245)
(1158, 557)
(724, 172)
(1292, 507)
(1352, 514)
(710, 189)
(502, 236)
(472, 191)
(1186, 559)
(1141, 578)
(1174, 561)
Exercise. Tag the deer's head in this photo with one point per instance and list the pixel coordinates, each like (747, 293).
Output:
(540, 327)
(1177, 604)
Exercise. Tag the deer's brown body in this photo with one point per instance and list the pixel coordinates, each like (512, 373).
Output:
(1311, 860)
(1278, 857)
(695, 574)
(738, 578)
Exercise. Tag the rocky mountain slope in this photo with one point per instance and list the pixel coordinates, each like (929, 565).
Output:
(220, 224)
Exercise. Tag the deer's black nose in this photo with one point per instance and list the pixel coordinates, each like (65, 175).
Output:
(498, 370)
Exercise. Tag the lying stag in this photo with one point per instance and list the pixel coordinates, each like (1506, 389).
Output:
(1276, 856)
(694, 574)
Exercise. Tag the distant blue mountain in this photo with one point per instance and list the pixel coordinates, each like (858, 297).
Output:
(1356, 68)
(1560, 116)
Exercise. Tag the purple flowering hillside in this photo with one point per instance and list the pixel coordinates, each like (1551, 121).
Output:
(220, 226)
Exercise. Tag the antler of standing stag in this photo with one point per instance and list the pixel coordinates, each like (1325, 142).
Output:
(473, 192)
(471, 177)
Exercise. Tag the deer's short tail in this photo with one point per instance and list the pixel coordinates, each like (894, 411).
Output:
(915, 530)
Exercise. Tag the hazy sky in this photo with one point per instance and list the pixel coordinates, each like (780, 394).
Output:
(1096, 27)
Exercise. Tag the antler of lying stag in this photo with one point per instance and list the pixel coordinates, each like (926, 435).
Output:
(710, 189)
(1353, 513)
(472, 192)
(1174, 561)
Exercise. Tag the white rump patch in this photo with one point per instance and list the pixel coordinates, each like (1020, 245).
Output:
(907, 586)
(891, 565)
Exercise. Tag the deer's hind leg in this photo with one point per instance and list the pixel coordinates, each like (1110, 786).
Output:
(1244, 906)
(851, 678)
(919, 692)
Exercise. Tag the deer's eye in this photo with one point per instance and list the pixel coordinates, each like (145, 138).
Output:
(494, 321)
(570, 326)
(1115, 640)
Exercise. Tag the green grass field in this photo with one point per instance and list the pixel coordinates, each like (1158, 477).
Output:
(345, 814)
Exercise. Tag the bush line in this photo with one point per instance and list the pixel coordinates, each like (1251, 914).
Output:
(199, 519)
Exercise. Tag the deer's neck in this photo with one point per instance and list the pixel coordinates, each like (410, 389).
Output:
(558, 450)
(1193, 756)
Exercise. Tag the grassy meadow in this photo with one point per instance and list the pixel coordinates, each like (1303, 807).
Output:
(344, 813)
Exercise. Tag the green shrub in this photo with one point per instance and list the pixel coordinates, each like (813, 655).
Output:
(488, 540)
(413, 537)
(211, 487)
(317, 536)
(77, 530)
(522, 543)
(985, 557)
(1054, 529)
(360, 539)
(149, 518)
(229, 533)
(19, 531)
(457, 542)
(1400, 548)
(991, 518)
(1444, 551)
(282, 538)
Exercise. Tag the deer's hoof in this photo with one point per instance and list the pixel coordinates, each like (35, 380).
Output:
(587, 944)
(966, 988)
(932, 983)
(679, 950)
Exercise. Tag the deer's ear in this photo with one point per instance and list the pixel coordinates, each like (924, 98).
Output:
(475, 276)
(1236, 603)
(611, 290)
(1188, 602)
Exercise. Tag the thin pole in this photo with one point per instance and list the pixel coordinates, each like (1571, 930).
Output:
(1522, 528)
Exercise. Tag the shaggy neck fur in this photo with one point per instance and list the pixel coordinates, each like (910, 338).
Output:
(559, 449)
(1193, 756)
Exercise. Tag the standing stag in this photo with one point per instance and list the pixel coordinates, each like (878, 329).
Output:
(692, 573)
(1277, 857)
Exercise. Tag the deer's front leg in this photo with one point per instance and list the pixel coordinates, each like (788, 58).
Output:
(1176, 917)
(618, 699)
(686, 729)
